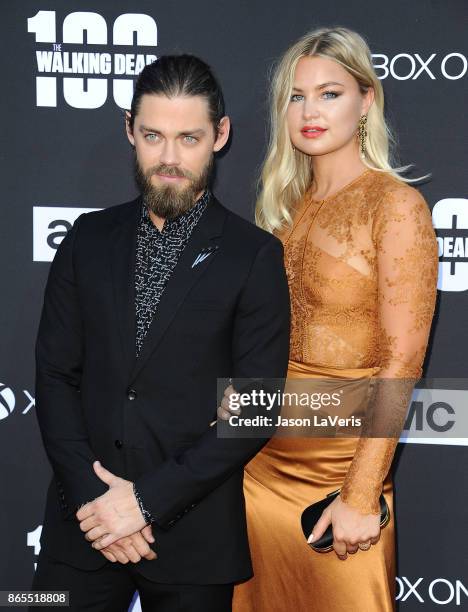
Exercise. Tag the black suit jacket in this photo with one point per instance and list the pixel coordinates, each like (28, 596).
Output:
(147, 419)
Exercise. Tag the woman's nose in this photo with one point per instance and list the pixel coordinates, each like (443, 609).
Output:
(310, 110)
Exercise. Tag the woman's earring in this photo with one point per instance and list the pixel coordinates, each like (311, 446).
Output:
(362, 134)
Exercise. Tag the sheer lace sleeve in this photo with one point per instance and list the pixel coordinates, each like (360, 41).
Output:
(407, 264)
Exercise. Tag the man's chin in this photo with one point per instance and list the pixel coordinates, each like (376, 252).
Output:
(169, 201)
(176, 191)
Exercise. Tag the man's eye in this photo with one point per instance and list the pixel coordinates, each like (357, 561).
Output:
(190, 139)
(151, 137)
(296, 97)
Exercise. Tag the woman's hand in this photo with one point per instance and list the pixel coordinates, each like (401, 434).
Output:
(352, 531)
(225, 410)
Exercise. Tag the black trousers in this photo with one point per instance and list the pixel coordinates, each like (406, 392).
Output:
(111, 589)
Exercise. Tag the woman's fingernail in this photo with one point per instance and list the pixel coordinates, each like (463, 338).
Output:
(310, 538)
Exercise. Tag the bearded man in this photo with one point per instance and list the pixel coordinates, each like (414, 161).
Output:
(147, 305)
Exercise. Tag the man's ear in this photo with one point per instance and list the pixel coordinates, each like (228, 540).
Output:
(224, 127)
(128, 129)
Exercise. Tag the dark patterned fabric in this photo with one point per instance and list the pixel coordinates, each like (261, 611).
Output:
(157, 253)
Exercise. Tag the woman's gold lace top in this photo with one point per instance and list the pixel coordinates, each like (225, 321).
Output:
(362, 270)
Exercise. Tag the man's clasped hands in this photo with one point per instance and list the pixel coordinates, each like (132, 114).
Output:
(113, 522)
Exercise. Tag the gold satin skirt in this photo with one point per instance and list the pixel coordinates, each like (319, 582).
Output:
(288, 474)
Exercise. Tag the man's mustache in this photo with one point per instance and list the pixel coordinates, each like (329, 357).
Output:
(170, 171)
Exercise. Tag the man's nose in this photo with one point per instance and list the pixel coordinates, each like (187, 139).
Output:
(169, 154)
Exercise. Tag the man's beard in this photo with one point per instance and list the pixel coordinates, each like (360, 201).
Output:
(169, 202)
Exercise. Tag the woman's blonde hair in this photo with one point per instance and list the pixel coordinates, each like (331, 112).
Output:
(287, 173)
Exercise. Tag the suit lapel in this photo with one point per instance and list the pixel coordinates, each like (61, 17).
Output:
(123, 253)
(206, 234)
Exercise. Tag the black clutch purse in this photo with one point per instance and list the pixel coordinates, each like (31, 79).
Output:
(312, 513)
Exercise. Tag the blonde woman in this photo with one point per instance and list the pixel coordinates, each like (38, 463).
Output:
(361, 258)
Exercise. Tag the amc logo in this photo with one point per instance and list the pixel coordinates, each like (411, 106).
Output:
(437, 416)
(50, 225)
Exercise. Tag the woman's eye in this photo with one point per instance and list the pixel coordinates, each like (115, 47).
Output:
(296, 97)
(331, 93)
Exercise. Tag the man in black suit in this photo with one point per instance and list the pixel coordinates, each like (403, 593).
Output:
(147, 305)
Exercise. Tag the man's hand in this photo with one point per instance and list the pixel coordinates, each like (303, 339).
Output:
(131, 548)
(111, 516)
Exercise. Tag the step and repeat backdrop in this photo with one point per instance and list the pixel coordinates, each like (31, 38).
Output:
(68, 70)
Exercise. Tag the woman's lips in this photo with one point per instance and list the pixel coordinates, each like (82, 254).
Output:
(312, 132)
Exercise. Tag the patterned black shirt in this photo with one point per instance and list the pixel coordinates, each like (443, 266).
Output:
(157, 253)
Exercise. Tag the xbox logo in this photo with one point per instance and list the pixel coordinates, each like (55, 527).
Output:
(7, 401)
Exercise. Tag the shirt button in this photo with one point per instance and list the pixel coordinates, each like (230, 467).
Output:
(118, 443)
(131, 394)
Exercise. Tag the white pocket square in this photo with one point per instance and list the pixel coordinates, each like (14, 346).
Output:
(204, 253)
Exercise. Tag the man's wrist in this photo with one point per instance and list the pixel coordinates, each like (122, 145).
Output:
(146, 515)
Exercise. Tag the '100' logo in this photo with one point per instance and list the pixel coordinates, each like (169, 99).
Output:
(76, 26)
